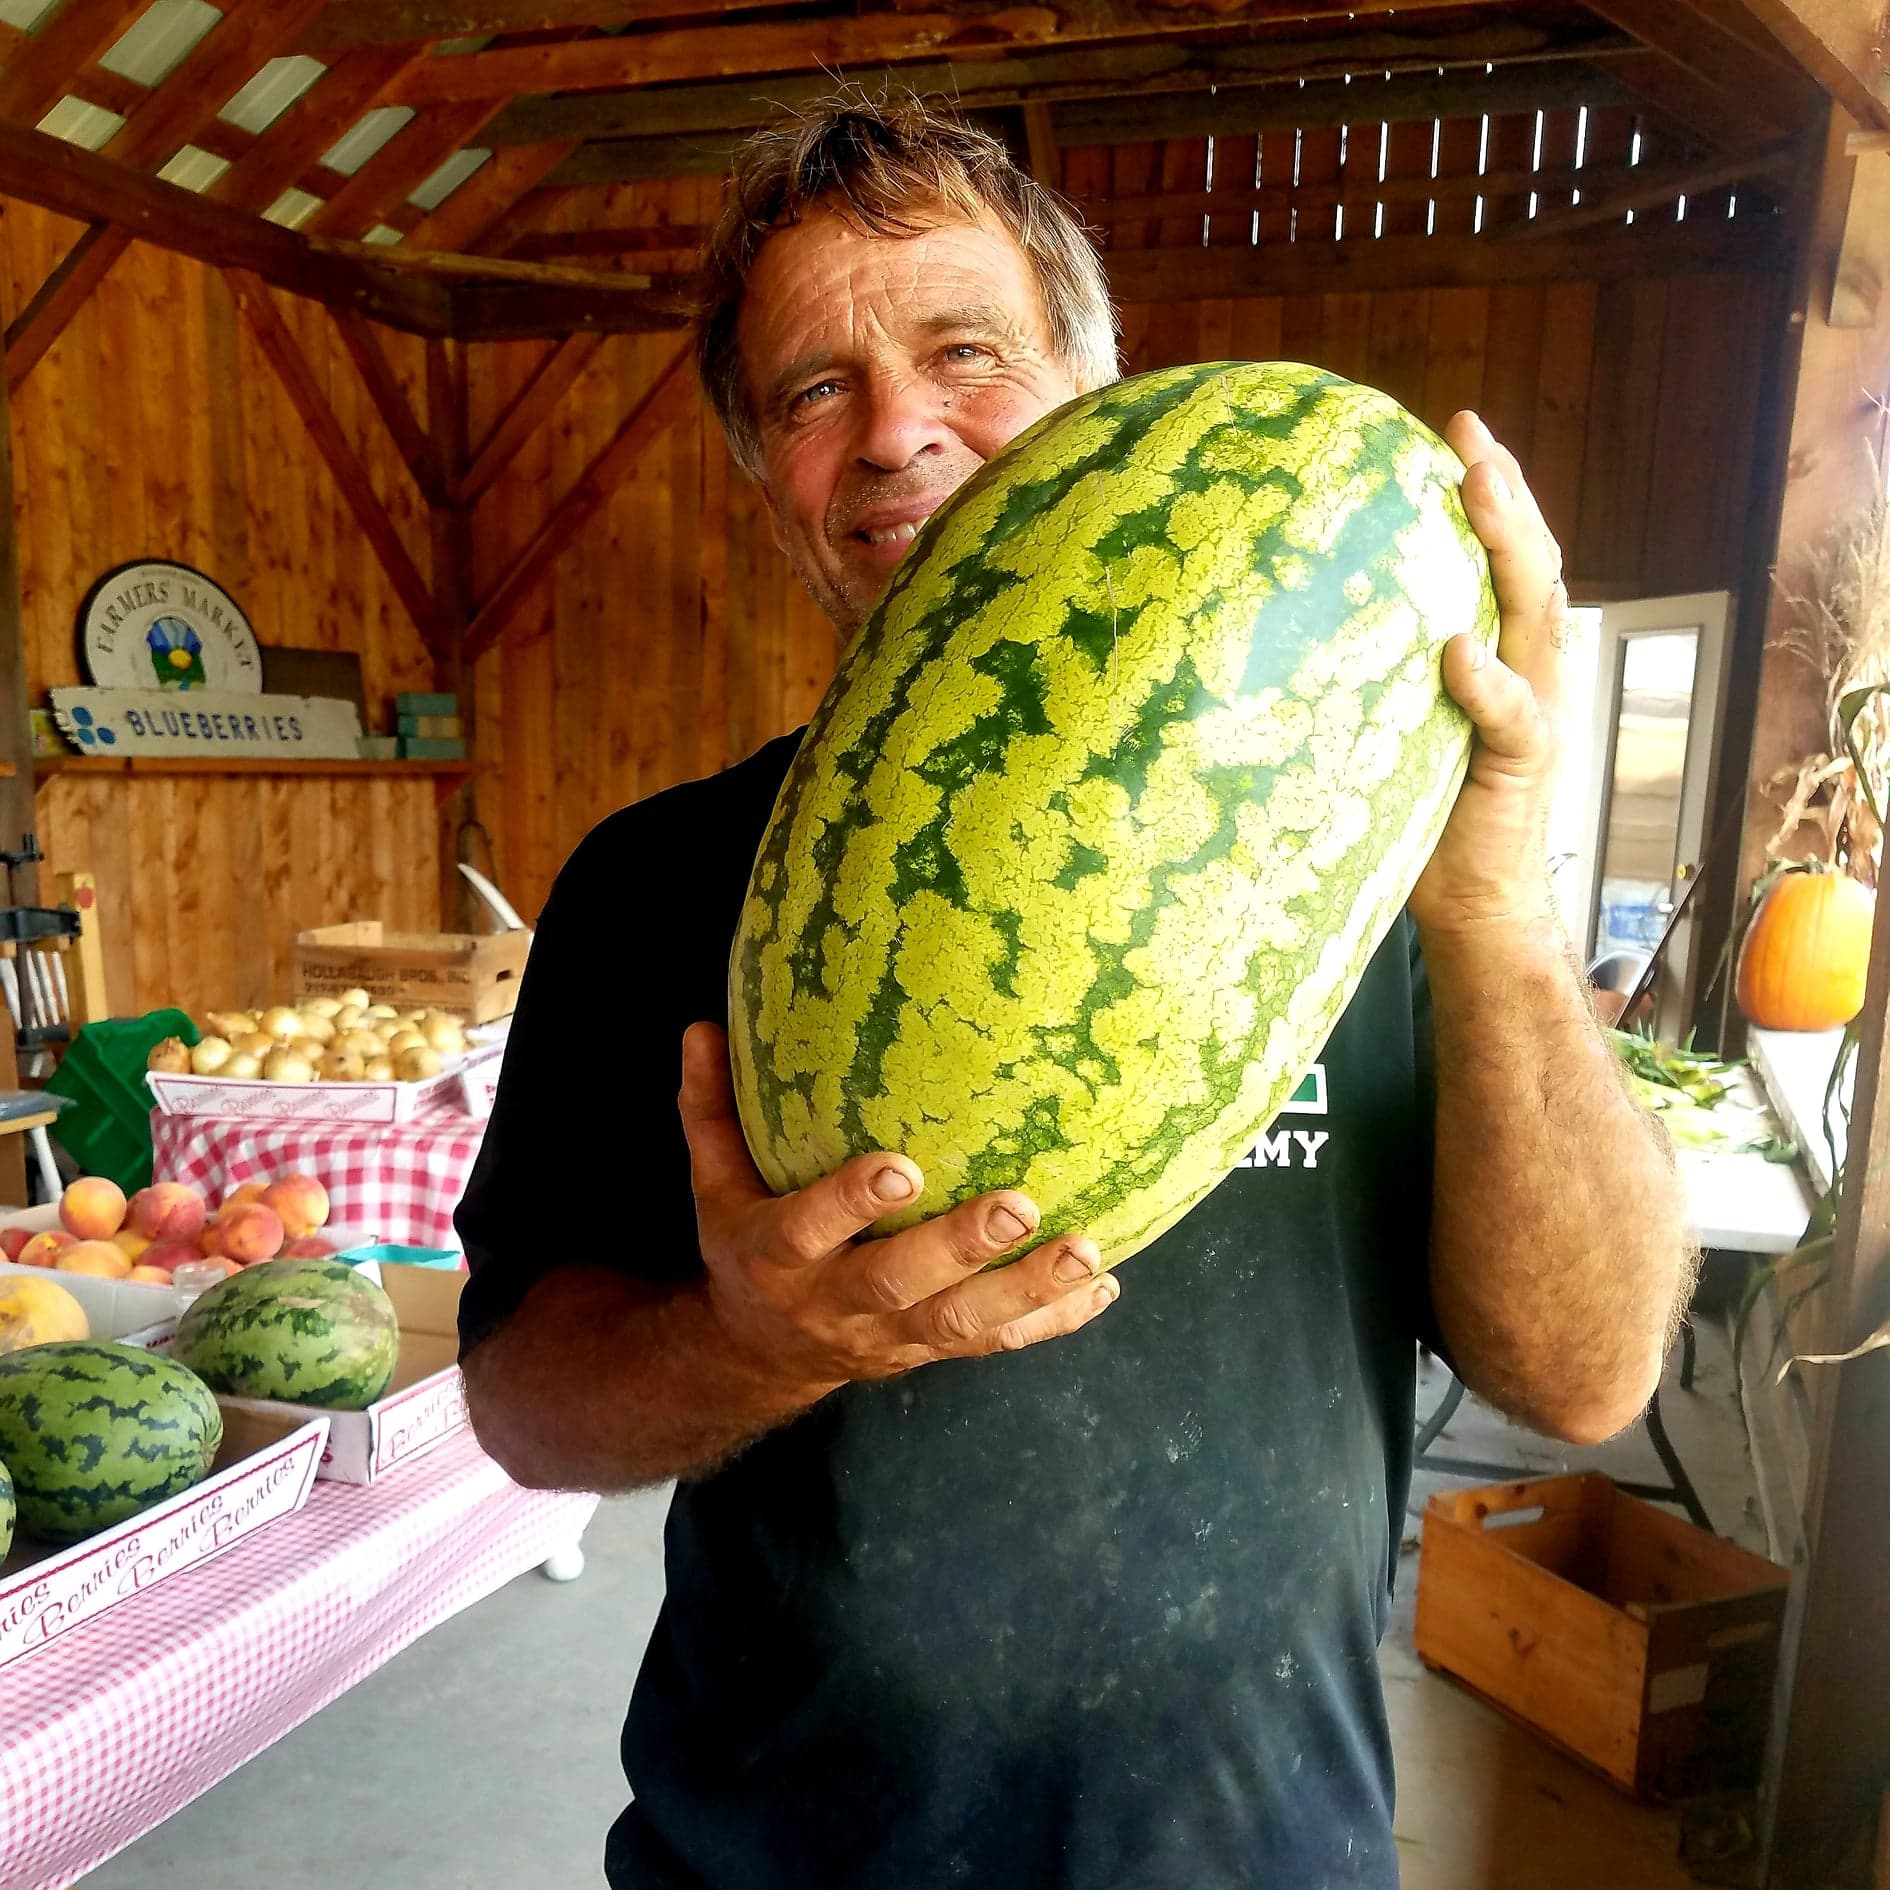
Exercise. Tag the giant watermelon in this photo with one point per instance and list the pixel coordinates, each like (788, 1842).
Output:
(302, 1331)
(92, 1434)
(6, 1512)
(1112, 800)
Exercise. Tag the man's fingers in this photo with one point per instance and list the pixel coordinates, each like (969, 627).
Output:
(904, 1269)
(721, 1170)
(1525, 561)
(1061, 1317)
(806, 1226)
(1509, 720)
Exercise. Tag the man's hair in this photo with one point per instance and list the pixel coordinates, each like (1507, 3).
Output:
(888, 166)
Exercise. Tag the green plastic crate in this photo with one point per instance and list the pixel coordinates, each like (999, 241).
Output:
(107, 1129)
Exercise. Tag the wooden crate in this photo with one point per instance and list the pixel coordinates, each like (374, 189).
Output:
(1621, 1634)
(473, 978)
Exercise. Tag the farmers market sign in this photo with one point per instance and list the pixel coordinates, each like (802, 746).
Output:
(207, 723)
(156, 625)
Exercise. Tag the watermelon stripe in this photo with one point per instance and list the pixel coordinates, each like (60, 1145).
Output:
(1112, 800)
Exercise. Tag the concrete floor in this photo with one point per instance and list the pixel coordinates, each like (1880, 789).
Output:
(484, 1758)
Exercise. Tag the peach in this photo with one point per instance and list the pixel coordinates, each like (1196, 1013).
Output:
(252, 1232)
(43, 1249)
(169, 1254)
(93, 1208)
(94, 1256)
(241, 1197)
(130, 1244)
(150, 1276)
(12, 1239)
(307, 1247)
(210, 1242)
(167, 1210)
(301, 1201)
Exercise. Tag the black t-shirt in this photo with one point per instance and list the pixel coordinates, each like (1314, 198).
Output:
(1098, 1615)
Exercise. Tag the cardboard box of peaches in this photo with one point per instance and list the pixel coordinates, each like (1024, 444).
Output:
(101, 1237)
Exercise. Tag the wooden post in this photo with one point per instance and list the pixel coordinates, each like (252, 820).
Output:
(1830, 1758)
(16, 735)
(451, 521)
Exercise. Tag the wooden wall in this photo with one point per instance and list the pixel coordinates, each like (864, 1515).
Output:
(154, 428)
(669, 638)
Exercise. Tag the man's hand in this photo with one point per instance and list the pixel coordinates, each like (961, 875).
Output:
(803, 1299)
(1491, 862)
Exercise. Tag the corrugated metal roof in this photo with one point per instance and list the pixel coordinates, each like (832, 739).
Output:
(194, 169)
(88, 126)
(159, 40)
(271, 92)
(293, 208)
(432, 191)
(353, 148)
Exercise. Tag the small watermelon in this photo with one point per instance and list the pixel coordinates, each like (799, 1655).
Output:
(1112, 800)
(6, 1512)
(95, 1433)
(309, 1332)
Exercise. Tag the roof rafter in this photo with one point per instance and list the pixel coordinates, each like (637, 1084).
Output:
(399, 167)
(1841, 43)
(348, 23)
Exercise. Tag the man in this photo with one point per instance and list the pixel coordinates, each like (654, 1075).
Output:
(972, 1579)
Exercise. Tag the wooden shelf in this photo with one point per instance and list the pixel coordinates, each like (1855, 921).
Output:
(212, 765)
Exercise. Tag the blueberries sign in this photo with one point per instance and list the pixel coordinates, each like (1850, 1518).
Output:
(207, 723)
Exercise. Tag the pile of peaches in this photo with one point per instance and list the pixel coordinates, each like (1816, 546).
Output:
(160, 1227)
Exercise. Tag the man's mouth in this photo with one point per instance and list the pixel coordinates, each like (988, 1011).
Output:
(890, 534)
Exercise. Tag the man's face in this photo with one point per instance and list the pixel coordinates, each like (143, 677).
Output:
(883, 371)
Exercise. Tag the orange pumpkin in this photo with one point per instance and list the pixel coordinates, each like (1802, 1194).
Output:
(1806, 953)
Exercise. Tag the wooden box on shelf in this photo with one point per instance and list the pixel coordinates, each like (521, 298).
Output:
(1621, 1634)
(473, 978)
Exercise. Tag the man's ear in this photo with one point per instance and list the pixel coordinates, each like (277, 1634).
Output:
(774, 514)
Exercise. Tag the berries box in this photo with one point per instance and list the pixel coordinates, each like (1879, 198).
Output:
(424, 1404)
(465, 1084)
(264, 1470)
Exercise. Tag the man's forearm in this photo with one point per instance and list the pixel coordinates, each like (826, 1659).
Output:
(600, 1381)
(1560, 1251)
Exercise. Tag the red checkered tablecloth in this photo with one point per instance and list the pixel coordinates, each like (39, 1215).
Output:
(399, 1181)
(108, 1731)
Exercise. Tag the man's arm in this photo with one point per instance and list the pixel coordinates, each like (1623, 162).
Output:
(1560, 1256)
(601, 1381)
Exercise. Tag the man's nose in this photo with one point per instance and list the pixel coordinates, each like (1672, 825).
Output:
(901, 420)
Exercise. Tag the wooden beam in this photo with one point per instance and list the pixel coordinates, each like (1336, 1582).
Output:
(60, 177)
(522, 312)
(455, 267)
(1659, 185)
(1716, 57)
(478, 204)
(1843, 44)
(665, 401)
(1422, 262)
(353, 85)
(1699, 111)
(400, 166)
(298, 380)
(547, 245)
(349, 23)
(1126, 114)
(73, 37)
(249, 35)
(1232, 57)
(64, 292)
(532, 405)
(1860, 287)
(363, 343)
(450, 529)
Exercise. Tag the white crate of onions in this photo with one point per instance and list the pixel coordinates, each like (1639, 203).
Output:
(341, 1059)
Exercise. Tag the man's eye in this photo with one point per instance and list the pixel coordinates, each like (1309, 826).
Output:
(808, 396)
(966, 351)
